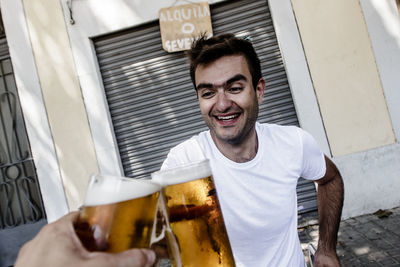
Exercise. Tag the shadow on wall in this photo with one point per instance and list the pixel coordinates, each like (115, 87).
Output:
(382, 9)
(383, 23)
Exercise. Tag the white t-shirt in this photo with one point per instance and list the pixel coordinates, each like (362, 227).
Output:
(258, 198)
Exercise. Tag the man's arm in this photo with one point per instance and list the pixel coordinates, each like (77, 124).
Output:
(330, 203)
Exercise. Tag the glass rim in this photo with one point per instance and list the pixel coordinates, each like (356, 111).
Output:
(183, 173)
(108, 189)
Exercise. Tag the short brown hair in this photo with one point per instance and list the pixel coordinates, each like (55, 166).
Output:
(205, 51)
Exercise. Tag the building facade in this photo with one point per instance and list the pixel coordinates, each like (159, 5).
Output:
(95, 87)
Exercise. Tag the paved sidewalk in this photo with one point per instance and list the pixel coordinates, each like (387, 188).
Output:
(367, 240)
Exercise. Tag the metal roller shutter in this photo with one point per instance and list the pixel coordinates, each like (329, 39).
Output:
(151, 98)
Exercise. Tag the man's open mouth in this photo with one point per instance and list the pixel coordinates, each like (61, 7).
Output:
(228, 117)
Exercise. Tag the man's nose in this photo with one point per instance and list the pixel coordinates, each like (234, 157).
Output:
(223, 102)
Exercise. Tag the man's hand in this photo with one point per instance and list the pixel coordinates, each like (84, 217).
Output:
(58, 245)
(326, 259)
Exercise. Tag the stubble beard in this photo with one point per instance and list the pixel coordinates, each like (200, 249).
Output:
(243, 133)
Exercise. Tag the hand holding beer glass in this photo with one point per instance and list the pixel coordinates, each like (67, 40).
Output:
(118, 213)
(194, 222)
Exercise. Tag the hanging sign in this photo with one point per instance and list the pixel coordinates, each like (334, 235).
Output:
(181, 25)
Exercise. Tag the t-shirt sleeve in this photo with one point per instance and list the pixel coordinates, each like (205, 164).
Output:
(313, 160)
(170, 162)
(184, 153)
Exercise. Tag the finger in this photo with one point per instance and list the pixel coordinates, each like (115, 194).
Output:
(70, 217)
(130, 258)
(138, 258)
(61, 226)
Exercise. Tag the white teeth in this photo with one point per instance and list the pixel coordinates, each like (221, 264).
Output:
(227, 117)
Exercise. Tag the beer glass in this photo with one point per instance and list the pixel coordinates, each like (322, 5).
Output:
(193, 217)
(118, 213)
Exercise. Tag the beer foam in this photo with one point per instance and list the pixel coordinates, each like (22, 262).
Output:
(182, 174)
(106, 189)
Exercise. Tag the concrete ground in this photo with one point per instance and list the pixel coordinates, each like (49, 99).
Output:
(367, 240)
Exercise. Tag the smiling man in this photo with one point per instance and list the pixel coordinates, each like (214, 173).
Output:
(229, 105)
(256, 166)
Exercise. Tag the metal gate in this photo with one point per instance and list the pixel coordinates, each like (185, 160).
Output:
(21, 209)
(151, 98)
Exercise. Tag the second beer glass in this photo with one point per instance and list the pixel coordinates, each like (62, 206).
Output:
(194, 216)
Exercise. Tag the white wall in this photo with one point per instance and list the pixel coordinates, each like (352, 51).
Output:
(344, 75)
(383, 23)
(371, 180)
(296, 66)
(362, 117)
(373, 177)
(62, 97)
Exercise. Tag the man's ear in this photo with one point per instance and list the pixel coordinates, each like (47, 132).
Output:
(260, 90)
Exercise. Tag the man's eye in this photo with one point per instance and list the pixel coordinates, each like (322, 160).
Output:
(207, 94)
(235, 89)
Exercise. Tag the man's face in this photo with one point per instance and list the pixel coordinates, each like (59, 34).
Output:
(227, 99)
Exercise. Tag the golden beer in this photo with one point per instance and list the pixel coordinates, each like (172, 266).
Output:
(118, 214)
(195, 216)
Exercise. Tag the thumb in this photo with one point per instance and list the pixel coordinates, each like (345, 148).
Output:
(135, 258)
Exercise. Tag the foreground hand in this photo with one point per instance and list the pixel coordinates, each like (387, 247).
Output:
(323, 259)
(58, 245)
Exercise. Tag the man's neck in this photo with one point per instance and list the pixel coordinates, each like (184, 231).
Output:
(241, 152)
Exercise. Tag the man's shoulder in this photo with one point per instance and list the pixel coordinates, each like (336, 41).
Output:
(186, 151)
(188, 143)
(273, 128)
(281, 135)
